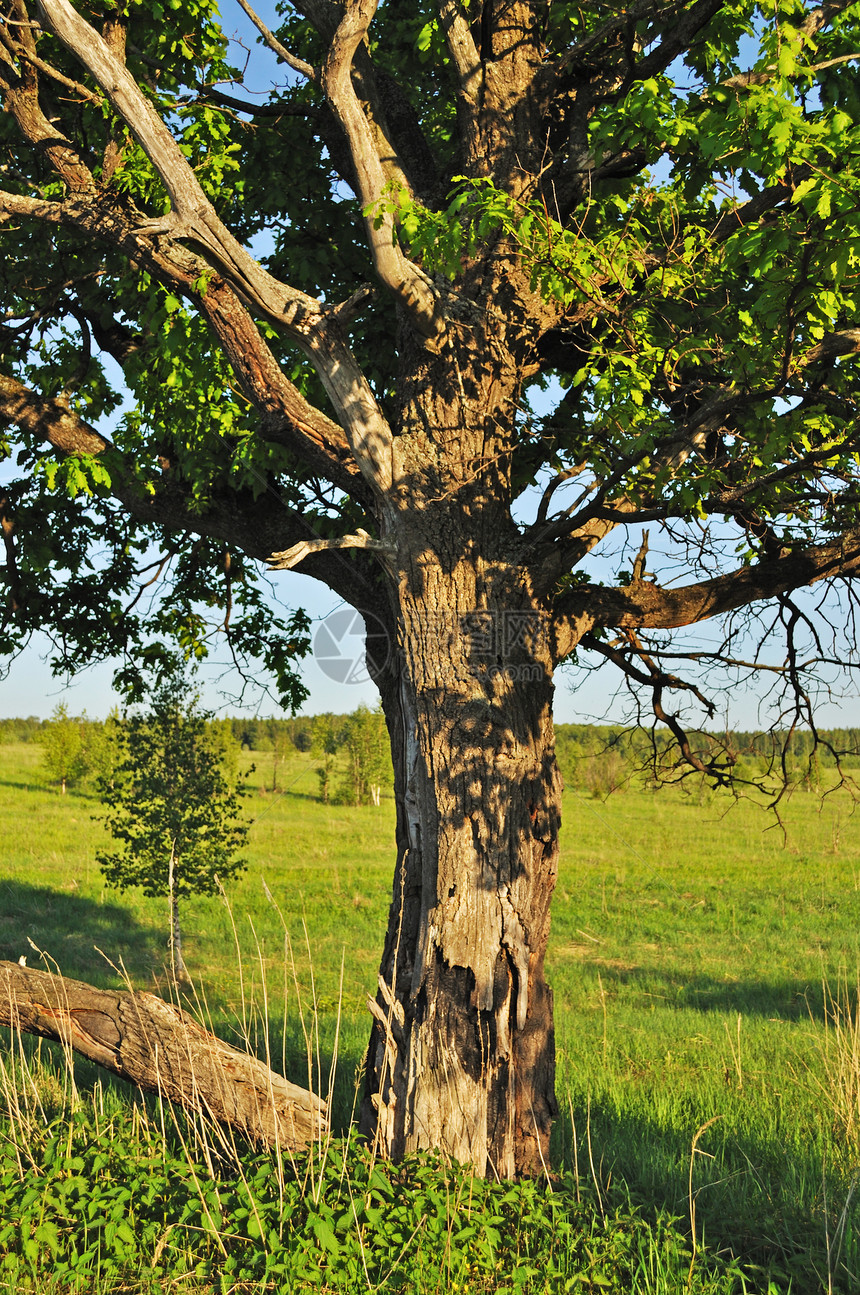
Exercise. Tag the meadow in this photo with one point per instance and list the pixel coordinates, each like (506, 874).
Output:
(705, 969)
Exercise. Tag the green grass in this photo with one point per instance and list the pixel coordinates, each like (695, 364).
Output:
(689, 952)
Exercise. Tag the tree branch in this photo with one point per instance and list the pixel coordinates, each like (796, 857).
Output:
(412, 287)
(676, 39)
(462, 48)
(286, 413)
(257, 527)
(647, 606)
(304, 69)
(20, 87)
(832, 345)
(291, 557)
(193, 216)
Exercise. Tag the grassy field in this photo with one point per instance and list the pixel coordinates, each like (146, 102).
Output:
(702, 962)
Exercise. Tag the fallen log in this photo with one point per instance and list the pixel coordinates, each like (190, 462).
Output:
(162, 1050)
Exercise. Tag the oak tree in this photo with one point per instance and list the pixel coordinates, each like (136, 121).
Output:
(322, 330)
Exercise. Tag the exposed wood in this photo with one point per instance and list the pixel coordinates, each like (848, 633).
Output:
(161, 1049)
(412, 287)
(289, 558)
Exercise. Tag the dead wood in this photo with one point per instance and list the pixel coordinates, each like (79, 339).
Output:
(162, 1049)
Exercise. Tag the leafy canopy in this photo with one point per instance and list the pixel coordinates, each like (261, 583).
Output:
(694, 224)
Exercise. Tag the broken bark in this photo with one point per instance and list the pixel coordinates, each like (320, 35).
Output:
(160, 1048)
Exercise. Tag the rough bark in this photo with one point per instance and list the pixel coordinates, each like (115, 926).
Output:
(462, 1050)
(158, 1047)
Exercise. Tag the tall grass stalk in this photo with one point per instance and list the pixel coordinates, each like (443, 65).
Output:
(840, 1055)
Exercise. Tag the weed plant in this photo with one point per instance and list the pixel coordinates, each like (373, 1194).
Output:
(103, 1195)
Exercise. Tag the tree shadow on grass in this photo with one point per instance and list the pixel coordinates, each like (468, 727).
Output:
(789, 1000)
(772, 1206)
(69, 929)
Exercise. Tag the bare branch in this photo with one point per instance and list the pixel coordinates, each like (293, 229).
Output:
(411, 285)
(291, 557)
(304, 69)
(87, 96)
(566, 475)
(647, 606)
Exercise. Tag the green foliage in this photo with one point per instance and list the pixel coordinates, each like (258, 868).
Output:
(325, 741)
(116, 1211)
(169, 802)
(364, 742)
(21, 730)
(72, 747)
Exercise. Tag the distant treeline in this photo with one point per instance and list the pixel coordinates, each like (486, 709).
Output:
(598, 759)
(350, 752)
(605, 758)
(634, 742)
(572, 740)
(253, 734)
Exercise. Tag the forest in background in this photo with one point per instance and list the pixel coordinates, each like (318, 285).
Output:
(353, 763)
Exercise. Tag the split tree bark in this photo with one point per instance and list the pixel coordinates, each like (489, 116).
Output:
(162, 1049)
(462, 1054)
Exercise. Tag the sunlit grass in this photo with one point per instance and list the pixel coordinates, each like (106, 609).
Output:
(690, 944)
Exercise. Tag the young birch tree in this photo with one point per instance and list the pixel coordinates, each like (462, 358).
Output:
(649, 212)
(170, 806)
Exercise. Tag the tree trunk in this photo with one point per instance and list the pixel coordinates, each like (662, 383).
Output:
(161, 1049)
(461, 1055)
(177, 962)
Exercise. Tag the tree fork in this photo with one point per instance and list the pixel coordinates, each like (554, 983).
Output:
(158, 1047)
